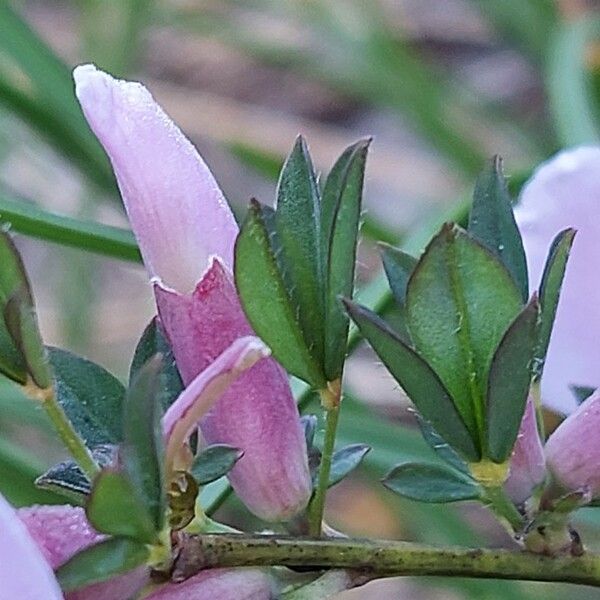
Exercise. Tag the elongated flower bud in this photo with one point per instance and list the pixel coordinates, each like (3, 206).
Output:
(186, 234)
(527, 464)
(565, 192)
(62, 531)
(573, 452)
(24, 571)
(220, 584)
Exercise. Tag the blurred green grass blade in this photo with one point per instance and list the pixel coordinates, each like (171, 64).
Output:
(36, 85)
(570, 84)
(28, 219)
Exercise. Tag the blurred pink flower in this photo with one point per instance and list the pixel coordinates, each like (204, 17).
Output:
(565, 192)
(186, 233)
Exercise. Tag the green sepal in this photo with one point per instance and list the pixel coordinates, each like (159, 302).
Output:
(101, 562)
(431, 483)
(418, 380)
(492, 223)
(509, 382)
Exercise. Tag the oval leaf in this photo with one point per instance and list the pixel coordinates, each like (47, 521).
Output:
(344, 461)
(509, 382)
(431, 483)
(214, 462)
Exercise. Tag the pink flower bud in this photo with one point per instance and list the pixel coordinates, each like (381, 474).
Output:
(24, 571)
(527, 464)
(219, 584)
(572, 451)
(565, 192)
(186, 233)
(60, 532)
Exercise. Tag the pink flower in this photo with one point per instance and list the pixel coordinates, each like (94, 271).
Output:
(186, 233)
(565, 192)
(572, 451)
(527, 464)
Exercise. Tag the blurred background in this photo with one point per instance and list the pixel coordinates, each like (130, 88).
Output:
(441, 85)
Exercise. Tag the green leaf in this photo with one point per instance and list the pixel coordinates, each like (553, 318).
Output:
(116, 507)
(345, 460)
(91, 397)
(68, 479)
(460, 301)
(417, 379)
(152, 342)
(340, 221)
(509, 382)
(398, 267)
(215, 461)
(550, 286)
(439, 445)
(142, 449)
(268, 306)
(431, 483)
(297, 220)
(101, 562)
(492, 223)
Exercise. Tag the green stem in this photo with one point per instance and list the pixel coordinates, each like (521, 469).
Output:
(64, 428)
(380, 558)
(504, 508)
(330, 399)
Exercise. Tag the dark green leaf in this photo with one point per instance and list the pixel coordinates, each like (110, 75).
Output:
(398, 267)
(142, 449)
(297, 220)
(91, 397)
(68, 479)
(340, 214)
(309, 423)
(101, 562)
(431, 483)
(581, 392)
(116, 507)
(492, 223)
(268, 306)
(440, 446)
(344, 461)
(550, 286)
(417, 379)
(214, 462)
(509, 382)
(152, 342)
(460, 301)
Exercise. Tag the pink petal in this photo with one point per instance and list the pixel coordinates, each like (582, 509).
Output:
(527, 463)
(219, 584)
(24, 572)
(565, 192)
(257, 414)
(573, 452)
(199, 396)
(62, 531)
(176, 209)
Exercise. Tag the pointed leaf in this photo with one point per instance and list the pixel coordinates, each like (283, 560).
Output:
(268, 306)
(101, 562)
(509, 382)
(298, 224)
(214, 462)
(417, 379)
(91, 397)
(115, 507)
(344, 461)
(431, 483)
(439, 445)
(460, 301)
(550, 286)
(152, 342)
(398, 266)
(492, 223)
(142, 452)
(340, 211)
